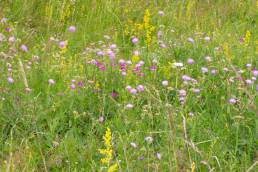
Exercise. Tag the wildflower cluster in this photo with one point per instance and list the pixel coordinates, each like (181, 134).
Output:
(107, 152)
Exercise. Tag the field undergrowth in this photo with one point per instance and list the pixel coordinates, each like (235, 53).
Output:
(101, 85)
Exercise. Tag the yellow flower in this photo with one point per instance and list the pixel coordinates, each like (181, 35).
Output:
(193, 167)
(247, 37)
(107, 152)
(113, 168)
(135, 58)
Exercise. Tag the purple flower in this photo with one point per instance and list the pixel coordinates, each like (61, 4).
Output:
(232, 101)
(24, 48)
(62, 44)
(3, 20)
(133, 91)
(196, 90)
(190, 40)
(134, 40)
(128, 88)
(140, 88)
(10, 80)
(186, 78)
(255, 72)
(190, 61)
(80, 84)
(100, 53)
(248, 65)
(72, 28)
(204, 69)
(182, 93)
(114, 94)
(213, 71)
(249, 81)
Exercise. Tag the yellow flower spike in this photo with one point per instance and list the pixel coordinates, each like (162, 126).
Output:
(113, 168)
(247, 37)
(193, 167)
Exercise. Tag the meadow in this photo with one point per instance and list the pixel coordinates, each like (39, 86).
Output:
(128, 85)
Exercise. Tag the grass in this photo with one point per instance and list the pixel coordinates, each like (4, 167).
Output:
(60, 124)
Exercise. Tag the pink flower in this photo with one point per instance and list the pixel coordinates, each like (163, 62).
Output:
(24, 48)
(10, 80)
(72, 86)
(182, 93)
(140, 88)
(232, 101)
(128, 88)
(186, 78)
(204, 69)
(72, 28)
(12, 39)
(51, 82)
(133, 91)
(190, 61)
(62, 44)
(249, 81)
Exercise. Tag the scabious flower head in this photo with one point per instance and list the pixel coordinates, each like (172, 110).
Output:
(80, 84)
(165, 83)
(190, 61)
(51, 82)
(134, 145)
(158, 155)
(12, 39)
(100, 53)
(10, 80)
(134, 40)
(249, 81)
(213, 71)
(161, 13)
(62, 44)
(186, 78)
(232, 101)
(128, 87)
(255, 72)
(204, 69)
(24, 48)
(248, 65)
(191, 40)
(114, 94)
(196, 90)
(3, 20)
(133, 91)
(72, 86)
(206, 38)
(140, 88)
(72, 28)
(182, 93)
(113, 46)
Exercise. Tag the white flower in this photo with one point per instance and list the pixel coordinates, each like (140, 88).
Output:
(178, 64)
